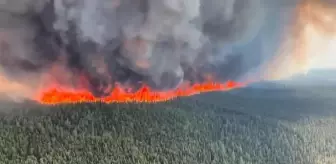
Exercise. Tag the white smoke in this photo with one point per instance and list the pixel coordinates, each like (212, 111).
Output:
(158, 35)
(153, 38)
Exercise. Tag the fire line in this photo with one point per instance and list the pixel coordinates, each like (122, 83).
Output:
(119, 95)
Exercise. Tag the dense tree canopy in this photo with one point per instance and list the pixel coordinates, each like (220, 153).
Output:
(189, 130)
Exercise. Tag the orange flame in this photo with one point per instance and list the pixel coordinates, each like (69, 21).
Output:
(56, 95)
(54, 89)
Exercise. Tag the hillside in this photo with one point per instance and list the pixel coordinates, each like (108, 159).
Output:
(247, 126)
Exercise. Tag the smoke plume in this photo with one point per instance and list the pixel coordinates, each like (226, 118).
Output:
(97, 44)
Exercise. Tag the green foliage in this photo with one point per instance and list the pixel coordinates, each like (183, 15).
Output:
(185, 131)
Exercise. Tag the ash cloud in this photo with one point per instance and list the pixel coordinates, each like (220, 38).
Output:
(160, 43)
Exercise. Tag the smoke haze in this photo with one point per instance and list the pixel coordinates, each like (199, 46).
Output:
(96, 44)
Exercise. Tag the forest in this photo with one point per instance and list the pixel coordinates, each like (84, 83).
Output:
(271, 127)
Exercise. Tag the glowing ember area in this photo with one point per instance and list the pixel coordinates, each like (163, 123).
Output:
(145, 94)
(309, 44)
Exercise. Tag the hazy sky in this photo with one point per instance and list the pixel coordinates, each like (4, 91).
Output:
(326, 60)
(321, 51)
(265, 45)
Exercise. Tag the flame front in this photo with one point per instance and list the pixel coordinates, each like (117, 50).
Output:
(58, 95)
(53, 92)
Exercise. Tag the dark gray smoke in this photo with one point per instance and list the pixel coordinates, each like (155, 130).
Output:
(160, 43)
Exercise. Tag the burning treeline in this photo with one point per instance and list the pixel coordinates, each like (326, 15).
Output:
(123, 50)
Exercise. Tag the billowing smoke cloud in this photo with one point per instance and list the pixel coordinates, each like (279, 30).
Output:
(160, 43)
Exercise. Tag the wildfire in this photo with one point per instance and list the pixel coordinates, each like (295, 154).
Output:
(52, 92)
(58, 95)
(310, 43)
